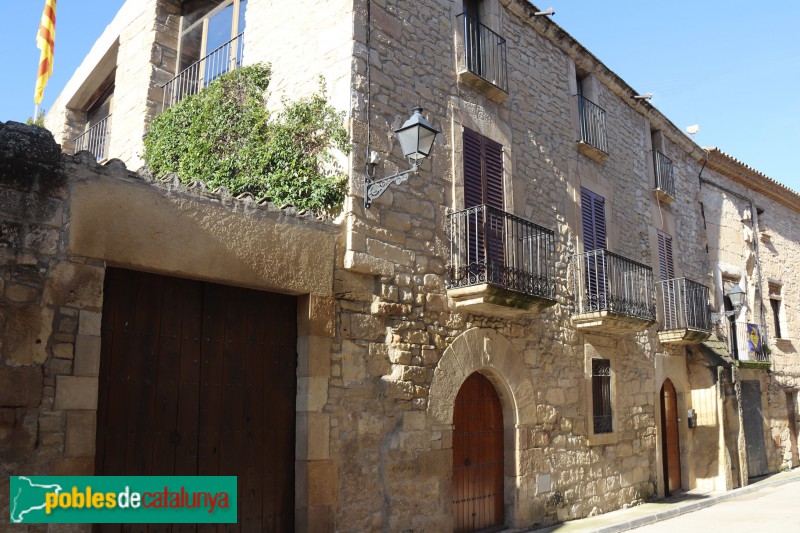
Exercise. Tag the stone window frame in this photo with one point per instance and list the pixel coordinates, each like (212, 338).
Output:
(776, 299)
(608, 353)
(466, 115)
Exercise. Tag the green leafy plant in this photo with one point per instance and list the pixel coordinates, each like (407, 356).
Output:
(226, 136)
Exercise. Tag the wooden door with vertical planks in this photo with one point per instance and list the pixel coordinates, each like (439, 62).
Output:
(200, 379)
(478, 461)
(670, 438)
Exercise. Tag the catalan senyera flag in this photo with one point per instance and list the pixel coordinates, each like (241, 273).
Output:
(45, 41)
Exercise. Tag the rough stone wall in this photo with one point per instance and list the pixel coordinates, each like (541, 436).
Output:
(49, 318)
(397, 323)
(732, 248)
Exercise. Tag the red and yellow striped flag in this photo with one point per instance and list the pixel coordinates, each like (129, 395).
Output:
(45, 41)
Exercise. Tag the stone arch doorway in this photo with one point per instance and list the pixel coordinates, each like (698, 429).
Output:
(478, 457)
(670, 438)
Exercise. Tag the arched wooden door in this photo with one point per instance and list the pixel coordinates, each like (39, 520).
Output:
(670, 439)
(477, 457)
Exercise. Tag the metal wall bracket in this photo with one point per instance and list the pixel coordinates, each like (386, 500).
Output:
(374, 189)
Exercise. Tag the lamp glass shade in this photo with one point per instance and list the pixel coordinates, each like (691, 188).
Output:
(736, 295)
(416, 137)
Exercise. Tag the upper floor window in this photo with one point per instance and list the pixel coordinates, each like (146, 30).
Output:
(482, 51)
(593, 217)
(662, 168)
(483, 171)
(591, 117)
(776, 304)
(665, 256)
(207, 26)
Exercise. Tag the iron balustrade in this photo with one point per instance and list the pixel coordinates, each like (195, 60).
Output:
(683, 305)
(592, 118)
(225, 58)
(737, 337)
(488, 245)
(663, 170)
(484, 51)
(605, 281)
(95, 139)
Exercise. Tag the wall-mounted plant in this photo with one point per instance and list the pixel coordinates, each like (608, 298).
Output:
(226, 137)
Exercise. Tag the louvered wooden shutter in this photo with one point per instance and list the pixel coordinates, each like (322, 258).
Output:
(594, 220)
(483, 184)
(594, 237)
(665, 256)
(483, 171)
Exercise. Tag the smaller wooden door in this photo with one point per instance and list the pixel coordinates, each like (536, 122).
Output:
(477, 457)
(670, 438)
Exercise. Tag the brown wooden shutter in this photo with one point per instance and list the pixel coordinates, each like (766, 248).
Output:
(665, 256)
(593, 214)
(483, 171)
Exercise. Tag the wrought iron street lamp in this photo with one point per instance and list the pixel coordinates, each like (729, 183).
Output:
(416, 138)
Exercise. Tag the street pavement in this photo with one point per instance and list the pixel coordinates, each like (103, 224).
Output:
(771, 503)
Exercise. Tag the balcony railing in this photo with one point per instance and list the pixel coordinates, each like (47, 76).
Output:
(683, 304)
(202, 72)
(592, 118)
(95, 139)
(605, 281)
(484, 51)
(663, 171)
(742, 343)
(490, 246)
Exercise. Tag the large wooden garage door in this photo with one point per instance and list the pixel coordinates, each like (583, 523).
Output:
(200, 379)
(478, 463)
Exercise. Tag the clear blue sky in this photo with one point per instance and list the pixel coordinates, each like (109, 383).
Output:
(731, 66)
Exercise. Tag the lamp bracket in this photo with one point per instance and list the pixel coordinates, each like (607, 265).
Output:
(373, 189)
(717, 317)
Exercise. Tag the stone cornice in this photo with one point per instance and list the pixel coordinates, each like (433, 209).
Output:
(752, 178)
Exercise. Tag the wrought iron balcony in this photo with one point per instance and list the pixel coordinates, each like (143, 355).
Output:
(484, 55)
(592, 120)
(683, 313)
(95, 139)
(202, 72)
(612, 293)
(500, 264)
(665, 182)
(745, 341)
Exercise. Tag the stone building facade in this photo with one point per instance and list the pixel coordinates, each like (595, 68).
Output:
(563, 317)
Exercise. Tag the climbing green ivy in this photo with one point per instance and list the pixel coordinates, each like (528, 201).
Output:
(226, 136)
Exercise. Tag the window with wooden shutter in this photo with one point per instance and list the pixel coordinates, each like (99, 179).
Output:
(483, 171)
(665, 256)
(483, 185)
(593, 213)
(594, 238)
